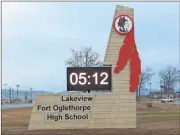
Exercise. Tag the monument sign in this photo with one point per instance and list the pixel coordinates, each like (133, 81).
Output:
(116, 109)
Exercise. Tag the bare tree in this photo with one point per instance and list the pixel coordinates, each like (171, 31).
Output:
(146, 76)
(85, 57)
(171, 76)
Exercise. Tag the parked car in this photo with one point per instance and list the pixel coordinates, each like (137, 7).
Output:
(168, 99)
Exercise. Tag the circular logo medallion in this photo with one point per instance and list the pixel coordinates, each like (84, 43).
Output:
(123, 24)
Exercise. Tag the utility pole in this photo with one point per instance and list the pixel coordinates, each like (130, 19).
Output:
(10, 94)
(31, 93)
(17, 91)
(165, 89)
(137, 94)
(25, 96)
(150, 88)
(161, 87)
(5, 91)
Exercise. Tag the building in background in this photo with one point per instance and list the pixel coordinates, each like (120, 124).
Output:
(178, 94)
(171, 94)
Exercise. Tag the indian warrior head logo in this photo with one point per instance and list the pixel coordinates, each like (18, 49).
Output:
(123, 24)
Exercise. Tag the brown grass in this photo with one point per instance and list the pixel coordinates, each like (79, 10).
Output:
(15, 121)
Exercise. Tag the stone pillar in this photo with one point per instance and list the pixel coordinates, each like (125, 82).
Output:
(121, 81)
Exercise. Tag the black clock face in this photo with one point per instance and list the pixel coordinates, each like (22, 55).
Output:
(88, 78)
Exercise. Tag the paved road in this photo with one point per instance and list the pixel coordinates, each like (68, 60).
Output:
(9, 106)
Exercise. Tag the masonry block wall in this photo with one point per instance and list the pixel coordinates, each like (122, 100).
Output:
(106, 110)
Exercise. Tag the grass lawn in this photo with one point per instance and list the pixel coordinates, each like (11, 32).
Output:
(160, 115)
(15, 121)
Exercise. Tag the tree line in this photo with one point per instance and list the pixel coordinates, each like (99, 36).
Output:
(169, 76)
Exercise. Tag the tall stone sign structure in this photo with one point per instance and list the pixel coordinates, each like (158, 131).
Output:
(120, 81)
(91, 110)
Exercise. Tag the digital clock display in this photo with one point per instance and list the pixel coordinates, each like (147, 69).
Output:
(88, 78)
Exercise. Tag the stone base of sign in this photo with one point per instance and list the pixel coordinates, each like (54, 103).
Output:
(106, 110)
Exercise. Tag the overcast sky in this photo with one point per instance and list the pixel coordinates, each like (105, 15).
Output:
(37, 38)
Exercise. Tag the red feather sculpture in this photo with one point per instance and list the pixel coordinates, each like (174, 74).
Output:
(125, 52)
(135, 70)
(128, 51)
(124, 55)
